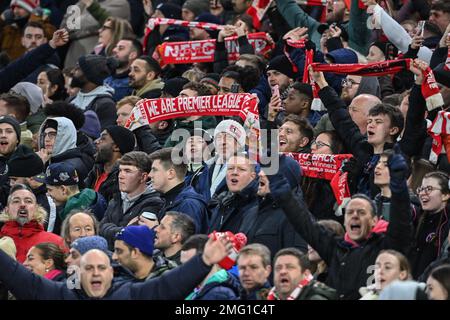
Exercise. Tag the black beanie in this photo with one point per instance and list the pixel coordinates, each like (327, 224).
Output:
(282, 64)
(25, 163)
(97, 68)
(174, 86)
(122, 137)
(14, 123)
(169, 10)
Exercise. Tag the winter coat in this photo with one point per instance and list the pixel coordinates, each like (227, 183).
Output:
(347, 262)
(115, 218)
(110, 186)
(191, 203)
(228, 209)
(146, 140)
(257, 294)
(85, 199)
(320, 198)
(222, 285)
(203, 184)
(84, 39)
(27, 236)
(151, 90)
(120, 84)
(267, 224)
(172, 285)
(101, 102)
(426, 248)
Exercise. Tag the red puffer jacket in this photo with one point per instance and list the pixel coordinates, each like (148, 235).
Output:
(28, 235)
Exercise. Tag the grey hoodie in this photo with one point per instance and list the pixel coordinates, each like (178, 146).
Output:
(66, 138)
(83, 100)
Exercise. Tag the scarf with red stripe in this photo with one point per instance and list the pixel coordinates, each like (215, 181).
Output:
(273, 294)
(440, 132)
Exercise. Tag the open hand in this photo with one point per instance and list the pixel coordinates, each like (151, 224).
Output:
(296, 34)
(216, 250)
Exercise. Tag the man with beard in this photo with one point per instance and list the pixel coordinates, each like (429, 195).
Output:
(13, 22)
(89, 75)
(145, 77)
(126, 51)
(293, 279)
(24, 219)
(113, 143)
(9, 146)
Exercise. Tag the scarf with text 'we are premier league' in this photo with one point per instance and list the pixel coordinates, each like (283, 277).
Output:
(243, 105)
(328, 167)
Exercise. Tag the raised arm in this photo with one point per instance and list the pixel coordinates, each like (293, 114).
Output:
(399, 232)
(300, 218)
(25, 285)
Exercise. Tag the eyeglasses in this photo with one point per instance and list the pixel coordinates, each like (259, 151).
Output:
(427, 189)
(348, 82)
(51, 134)
(320, 144)
(105, 27)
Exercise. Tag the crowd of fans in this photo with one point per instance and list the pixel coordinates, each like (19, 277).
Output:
(92, 207)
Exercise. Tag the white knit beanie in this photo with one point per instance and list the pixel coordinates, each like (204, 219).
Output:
(233, 128)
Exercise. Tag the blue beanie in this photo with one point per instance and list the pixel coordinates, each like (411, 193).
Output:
(91, 125)
(85, 244)
(291, 170)
(141, 237)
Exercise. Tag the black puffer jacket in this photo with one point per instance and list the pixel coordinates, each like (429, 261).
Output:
(267, 224)
(115, 218)
(228, 209)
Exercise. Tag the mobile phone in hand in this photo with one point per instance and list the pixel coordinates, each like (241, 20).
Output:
(275, 90)
(234, 88)
(421, 26)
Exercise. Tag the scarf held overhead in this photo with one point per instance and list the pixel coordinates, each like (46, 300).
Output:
(328, 167)
(244, 105)
(185, 52)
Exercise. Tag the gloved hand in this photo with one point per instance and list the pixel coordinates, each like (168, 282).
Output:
(399, 170)
(353, 168)
(278, 185)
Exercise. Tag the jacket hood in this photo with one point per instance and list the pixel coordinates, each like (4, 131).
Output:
(152, 85)
(380, 227)
(83, 100)
(342, 55)
(369, 85)
(66, 137)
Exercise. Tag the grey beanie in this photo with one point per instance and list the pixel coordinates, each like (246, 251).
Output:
(197, 6)
(32, 93)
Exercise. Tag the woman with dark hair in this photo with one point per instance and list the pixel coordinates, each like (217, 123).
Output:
(438, 283)
(47, 260)
(431, 221)
(52, 84)
(318, 193)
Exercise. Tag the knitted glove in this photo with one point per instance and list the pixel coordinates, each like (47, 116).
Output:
(399, 170)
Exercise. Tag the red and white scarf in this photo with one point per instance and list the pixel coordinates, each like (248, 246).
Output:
(273, 294)
(325, 166)
(430, 90)
(185, 52)
(154, 22)
(440, 132)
